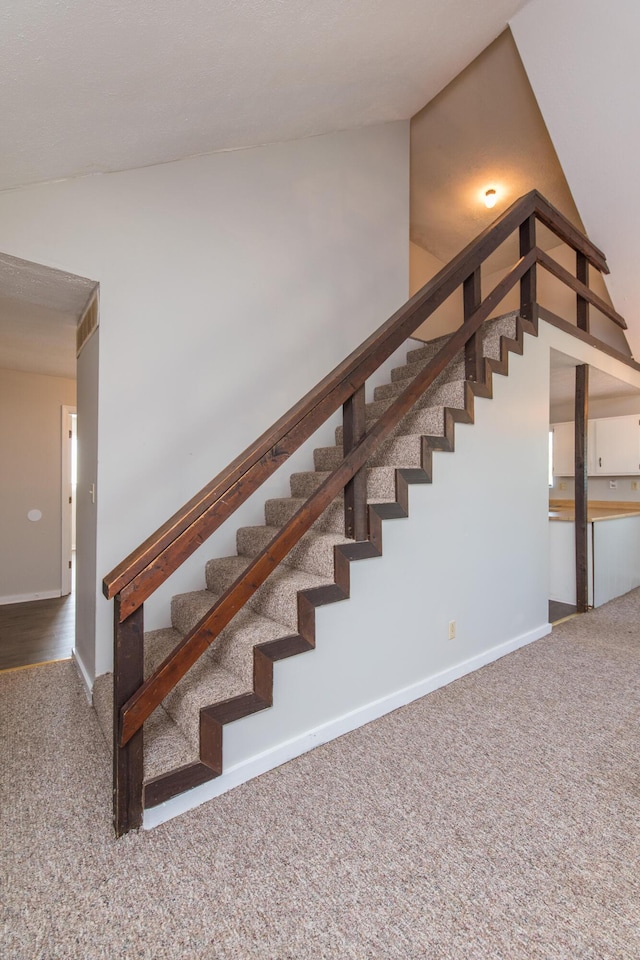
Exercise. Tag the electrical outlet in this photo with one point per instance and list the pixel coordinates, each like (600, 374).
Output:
(634, 484)
(562, 485)
(452, 629)
(613, 484)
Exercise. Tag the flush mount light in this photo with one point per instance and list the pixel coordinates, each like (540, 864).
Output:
(490, 198)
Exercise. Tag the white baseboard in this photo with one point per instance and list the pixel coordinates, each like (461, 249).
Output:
(87, 682)
(27, 597)
(283, 752)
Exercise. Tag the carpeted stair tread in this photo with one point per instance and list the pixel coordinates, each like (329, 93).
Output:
(206, 683)
(313, 553)
(453, 370)
(428, 421)
(380, 482)
(277, 598)
(450, 394)
(278, 511)
(165, 745)
(428, 349)
(396, 451)
(491, 330)
(233, 648)
(307, 482)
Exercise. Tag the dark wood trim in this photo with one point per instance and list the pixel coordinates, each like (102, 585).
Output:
(528, 284)
(128, 675)
(162, 788)
(581, 482)
(585, 295)
(582, 302)
(471, 299)
(355, 492)
(574, 331)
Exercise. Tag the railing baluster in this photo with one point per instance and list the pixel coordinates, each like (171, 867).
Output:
(472, 298)
(582, 305)
(528, 284)
(355, 492)
(128, 676)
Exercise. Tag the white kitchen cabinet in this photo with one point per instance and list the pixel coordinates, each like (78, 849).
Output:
(564, 449)
(617, 446)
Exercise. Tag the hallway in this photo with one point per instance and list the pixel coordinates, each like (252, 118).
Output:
(36, 632)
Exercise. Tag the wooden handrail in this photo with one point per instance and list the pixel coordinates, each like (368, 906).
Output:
(194, 644)
(144, 570)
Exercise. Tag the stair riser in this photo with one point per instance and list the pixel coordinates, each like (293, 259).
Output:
(446, 395)
(408, 371)
(397, 452)
(390, 390)
(428, 421)
(378, 487)
(278, 512)
(314, 552)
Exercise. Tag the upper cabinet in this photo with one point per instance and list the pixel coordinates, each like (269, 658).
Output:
(617, 446)
(613, 446)
(564, 449)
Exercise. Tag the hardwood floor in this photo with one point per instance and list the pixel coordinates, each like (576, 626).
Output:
(558, 611)
(36, 632)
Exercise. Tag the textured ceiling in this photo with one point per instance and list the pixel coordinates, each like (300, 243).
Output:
(39, 313)
(484, 130)
(601, 385)
(100, 86)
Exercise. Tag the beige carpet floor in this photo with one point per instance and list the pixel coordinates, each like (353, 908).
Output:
(496, 818)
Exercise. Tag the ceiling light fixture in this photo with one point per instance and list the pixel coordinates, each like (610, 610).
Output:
(490, 198)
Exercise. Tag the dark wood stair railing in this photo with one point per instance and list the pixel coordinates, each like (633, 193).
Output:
(143, 571)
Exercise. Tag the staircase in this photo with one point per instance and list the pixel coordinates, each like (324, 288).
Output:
(226, 671)
(214, 664)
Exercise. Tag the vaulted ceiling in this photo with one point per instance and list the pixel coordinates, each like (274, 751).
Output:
(101, 86)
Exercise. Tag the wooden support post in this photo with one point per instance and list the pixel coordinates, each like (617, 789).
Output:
(128, 675)
(582, 305)
(472, 298)
(581, 482)
(355, 492)
(528, 284)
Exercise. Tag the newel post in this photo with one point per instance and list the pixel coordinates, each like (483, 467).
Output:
(128, 675)
(355, 492)
(528, 284)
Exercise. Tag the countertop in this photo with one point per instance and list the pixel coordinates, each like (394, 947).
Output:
(596, 510)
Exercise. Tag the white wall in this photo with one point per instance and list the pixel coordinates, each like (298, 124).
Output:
(422, 267)
(86, 507)
(30, 479)
(582, 61)
(229, 284)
